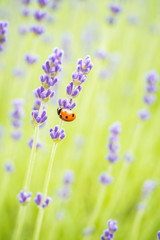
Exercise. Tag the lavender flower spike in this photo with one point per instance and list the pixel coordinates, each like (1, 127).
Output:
(31, 58)
(108, 234)
(43, 94)
(68, 177)
(85, 65)
(3, 30)
(24, 198)
(115, 8)
(158, 235)
(38, 144)
(46, 202)
(37, 29)
(57, 135)
(38, 199)
(65, 103)
(9, 167)
(43, 3)
(105, 178)
(39, 120)
(39, 15)
(144, 114)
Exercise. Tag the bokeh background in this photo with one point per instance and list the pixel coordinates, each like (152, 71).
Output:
(122, 52)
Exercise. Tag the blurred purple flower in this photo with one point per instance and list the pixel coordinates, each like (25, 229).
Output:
(144, 114)
(105, 178)
(24, 198)
(68, 177)
(37, 29)
(31, 58)
(66, 103)
(56, 134)
(38, 143)
(108, 234)
(9, 167)
(3, 31)
(39, 15)
(39, 120)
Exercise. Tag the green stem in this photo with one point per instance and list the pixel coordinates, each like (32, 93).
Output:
(46, 184)
(32, 159)
(22, 209)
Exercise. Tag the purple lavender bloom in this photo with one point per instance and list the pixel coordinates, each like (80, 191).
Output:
(26, 2)
(108, 234)
(78, 78)
(38, 199)
(26, 12)
(110, 19)
(85, 65)
(43, 3)
(37, 29)
(39, 120)
(115, 128)
(48, 82)
(16, 135)
(112, 157)
(24, 198)
(148, 188)
(73, 92)
(9, 167)
(31, 58)
(158, 235)
(3, 30)
(101, 54)
(68, 177)
(39, 15)
(149, 99)
(37, 104)
(56, 134)
(46, 202)
(38, 144)
(152, 77)
(65, 192)
(18, 72)
(115, 8)
(144, 114)
(151, 88)
(66, 103)
(44, 94)
(105, 178)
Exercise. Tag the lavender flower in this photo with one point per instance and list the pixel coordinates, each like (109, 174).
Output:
(38, 143)
(105, 178)
(148, 188)
(46, 202)
(39, 15)
(26, 2)
(56, 134)
(65, 192)
(37, 104)
(31, 58)
(9, 167)
(53, 65)
(3, 30)
(144, 114)
(17, 114)
(158, 235)
(39, 198)
(39, 120)
(48, 82)
(24, 198)
(115, 8)
(108, 234)
(110, 19)
(68, 177)
(43, 3)
(43, 94)
(23, 30)
(26, 12)
(71, 91)
(37, 29)
(65, 103)
(113, 142)
(85, 65)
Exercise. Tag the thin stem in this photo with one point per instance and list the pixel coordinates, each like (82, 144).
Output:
(32, 160)
(45, 190)
(19, 223)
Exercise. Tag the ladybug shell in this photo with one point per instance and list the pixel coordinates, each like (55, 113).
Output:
(67, 115)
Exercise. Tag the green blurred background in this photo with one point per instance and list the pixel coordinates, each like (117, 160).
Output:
(133, 49)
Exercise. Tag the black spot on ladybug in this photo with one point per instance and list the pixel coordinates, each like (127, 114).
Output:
(60, 116)
(66, 116)
(73, 115)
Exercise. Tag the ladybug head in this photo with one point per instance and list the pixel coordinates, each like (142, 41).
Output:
(59, 110)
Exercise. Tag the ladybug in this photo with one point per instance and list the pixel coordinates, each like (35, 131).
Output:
(66, 114)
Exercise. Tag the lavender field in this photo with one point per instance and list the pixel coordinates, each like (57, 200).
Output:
(79, 122)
